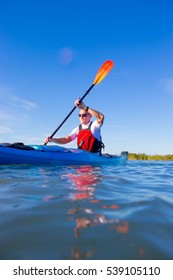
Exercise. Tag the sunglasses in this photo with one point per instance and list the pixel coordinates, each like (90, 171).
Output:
(82, 115)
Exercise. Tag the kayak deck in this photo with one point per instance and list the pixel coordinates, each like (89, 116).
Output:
(18, 153)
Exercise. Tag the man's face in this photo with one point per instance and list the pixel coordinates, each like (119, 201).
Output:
(84, 117)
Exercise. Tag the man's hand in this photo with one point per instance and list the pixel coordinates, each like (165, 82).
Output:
(48, 139)
(79, 104)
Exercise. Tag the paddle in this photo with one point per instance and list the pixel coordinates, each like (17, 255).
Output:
(101, 74)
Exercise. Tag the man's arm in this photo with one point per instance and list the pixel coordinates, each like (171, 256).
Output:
(99, 116)
(63, 140)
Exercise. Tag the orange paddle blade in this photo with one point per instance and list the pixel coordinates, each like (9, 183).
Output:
(103, 71)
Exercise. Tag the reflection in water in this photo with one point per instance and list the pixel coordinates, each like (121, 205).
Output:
(85, 176)
(85, 180)
(83, 183)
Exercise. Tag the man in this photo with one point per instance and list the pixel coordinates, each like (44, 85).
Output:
(87, 133)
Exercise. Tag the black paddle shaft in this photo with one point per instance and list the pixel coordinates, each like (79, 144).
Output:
(71, 111)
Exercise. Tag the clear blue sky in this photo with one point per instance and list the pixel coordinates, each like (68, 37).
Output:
(50, 52)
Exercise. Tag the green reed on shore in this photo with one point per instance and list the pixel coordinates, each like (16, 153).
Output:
(142, 156)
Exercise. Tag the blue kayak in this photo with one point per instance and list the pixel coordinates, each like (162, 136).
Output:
(18, 153)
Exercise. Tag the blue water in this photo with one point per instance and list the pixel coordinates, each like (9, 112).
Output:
(111, 212)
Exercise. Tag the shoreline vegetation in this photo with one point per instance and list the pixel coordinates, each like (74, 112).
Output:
(134, 156)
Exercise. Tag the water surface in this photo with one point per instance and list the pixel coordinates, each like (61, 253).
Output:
(87, 212)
